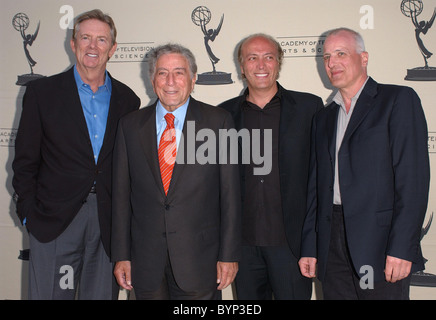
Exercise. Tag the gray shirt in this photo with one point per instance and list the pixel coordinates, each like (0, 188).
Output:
(343, 119)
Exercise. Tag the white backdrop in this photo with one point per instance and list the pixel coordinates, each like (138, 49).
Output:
(143, 24)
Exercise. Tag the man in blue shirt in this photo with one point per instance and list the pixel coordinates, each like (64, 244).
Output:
(95, 109)
(63, 168)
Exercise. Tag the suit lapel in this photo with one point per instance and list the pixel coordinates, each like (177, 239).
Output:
(112, 122)
(287, 111)
(332, 120)
(73, 106)
(363, 106)
(192, 114)
(148, 138)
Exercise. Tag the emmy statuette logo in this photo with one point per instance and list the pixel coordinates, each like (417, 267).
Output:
(20, 22)
(201, 16)
(421, 278)
(412, 9)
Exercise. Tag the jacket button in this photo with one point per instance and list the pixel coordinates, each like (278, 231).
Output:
(167, 207)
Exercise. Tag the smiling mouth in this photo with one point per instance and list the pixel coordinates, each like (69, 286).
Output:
(261, 75)
(92, 55)
(335, 73)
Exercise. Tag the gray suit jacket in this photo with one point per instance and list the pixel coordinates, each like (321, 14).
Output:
(196, 224)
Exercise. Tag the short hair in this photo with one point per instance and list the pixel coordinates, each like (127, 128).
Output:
(360, 44)
(267, 37)
(169, 48)
(99, 15)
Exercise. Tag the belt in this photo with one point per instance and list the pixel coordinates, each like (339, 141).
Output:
(93, 189)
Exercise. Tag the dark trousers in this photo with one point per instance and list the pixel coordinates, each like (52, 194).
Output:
(270, 272)
(341, 280)
(75, 264)
(169, 290)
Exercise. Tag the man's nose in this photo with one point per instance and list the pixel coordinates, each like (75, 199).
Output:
(170, 79)
(93, 43)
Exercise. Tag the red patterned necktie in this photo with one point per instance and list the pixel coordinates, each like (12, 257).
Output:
(167, 151)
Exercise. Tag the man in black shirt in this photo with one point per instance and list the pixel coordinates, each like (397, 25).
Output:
(274, 203)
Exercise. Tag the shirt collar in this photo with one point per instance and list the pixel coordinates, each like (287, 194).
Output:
(338, 97)
(179, 113)
(277, 95)
(107, 81)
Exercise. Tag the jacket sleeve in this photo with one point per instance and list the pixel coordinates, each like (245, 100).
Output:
(27, 154)
(121, 208)
(410, 163)
(308, 241)
(230, 204)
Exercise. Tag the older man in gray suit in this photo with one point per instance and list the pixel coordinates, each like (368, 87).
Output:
(176, 226)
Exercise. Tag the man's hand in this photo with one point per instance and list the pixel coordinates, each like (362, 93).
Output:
(307, 267)
(123, 275)
(397, 269)
(226, 273)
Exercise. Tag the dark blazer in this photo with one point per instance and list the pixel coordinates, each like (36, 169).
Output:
(296, 113)
(197, 224)
(54, 166)
(384, 179)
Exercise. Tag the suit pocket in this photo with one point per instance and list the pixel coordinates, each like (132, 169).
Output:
(25, 208)
(384, 218)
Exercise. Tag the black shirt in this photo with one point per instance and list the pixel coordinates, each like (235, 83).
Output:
(262, 220)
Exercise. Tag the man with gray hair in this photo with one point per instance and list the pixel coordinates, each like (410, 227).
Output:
(63, 166)
(176, 225)
(369, 181)
(274, 203)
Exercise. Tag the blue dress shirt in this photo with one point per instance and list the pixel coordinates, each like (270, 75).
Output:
(179, 120)
(95, 107)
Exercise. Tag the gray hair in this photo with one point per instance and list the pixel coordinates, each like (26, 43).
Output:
(169, 48)
(360, 44)
(98, 15)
